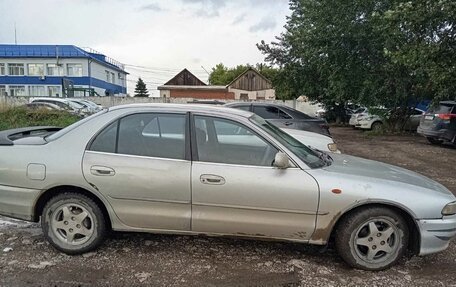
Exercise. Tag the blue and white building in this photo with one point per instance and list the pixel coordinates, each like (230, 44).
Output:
(39, 70)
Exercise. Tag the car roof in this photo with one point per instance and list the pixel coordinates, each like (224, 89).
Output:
(185, 107)
(448, 102)
(64, 100)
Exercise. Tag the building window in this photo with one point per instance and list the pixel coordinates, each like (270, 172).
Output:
(54, 70)
(37, 91)
(78, 92)
(35, 69)
(17, 91)
(16, 69)
(74, 70)
(108, 76)
(113, 78)
(2, 69)
(2, 91)
(54, 91)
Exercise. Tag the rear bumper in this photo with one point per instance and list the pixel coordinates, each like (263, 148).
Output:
(18, 202)
(436, 234)
(443, 134)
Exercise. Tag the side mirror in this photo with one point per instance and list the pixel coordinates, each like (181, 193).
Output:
(281, 160)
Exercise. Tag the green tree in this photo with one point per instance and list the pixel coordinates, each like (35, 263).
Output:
(141, 89)
(381, 52)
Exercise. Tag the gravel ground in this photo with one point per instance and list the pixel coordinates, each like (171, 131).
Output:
(132, 259)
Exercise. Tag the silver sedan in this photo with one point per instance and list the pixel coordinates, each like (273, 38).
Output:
(189, 169)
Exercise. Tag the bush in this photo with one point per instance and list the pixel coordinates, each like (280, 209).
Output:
(18, 117)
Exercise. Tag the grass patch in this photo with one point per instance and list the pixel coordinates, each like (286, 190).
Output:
(19, 117)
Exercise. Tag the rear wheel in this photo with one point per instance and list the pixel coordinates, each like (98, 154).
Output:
(73, 223)
(372, 238)
(434, 141)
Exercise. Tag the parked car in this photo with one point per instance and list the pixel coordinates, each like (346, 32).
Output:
(313, 140)
(354, 116)
(88, 106)
(368, 121)
(438, 125)
(285, 117)
(45, 106)
(194, 169)
(71, 106)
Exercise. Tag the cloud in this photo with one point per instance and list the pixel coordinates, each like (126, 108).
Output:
(265, 24)
(239, 19)
(152, 6)
(207, 8)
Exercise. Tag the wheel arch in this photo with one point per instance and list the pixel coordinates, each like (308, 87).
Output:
(51, 192)
(414, 237)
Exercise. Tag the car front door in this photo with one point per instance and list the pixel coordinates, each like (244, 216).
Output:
(141, 164)
(237, 191)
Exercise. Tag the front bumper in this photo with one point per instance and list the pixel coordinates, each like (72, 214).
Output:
(18, 202)
(436, 234)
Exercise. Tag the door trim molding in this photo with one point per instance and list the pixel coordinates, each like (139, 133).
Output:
(258, 208)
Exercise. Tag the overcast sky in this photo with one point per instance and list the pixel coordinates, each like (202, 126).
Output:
(164, 36)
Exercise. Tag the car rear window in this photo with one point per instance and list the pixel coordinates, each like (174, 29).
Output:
(443, 109)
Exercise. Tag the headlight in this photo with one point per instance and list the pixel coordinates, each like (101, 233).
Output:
(449, 209)
(332, 147)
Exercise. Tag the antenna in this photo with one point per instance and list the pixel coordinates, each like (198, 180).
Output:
(207, 73)
(15, 34)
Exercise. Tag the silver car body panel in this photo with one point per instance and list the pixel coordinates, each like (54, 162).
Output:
(294, 204)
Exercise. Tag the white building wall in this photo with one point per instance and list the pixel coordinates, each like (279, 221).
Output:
(97, 71)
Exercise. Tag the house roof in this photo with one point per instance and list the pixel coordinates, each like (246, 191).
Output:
(54, 51)
(185, 78)
(182, 87)
(245, 72)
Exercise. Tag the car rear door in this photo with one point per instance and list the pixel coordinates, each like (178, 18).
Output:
(237, 191)
(141, 164)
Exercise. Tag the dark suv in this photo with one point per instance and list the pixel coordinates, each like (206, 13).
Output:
(438, 125)
(285, 117)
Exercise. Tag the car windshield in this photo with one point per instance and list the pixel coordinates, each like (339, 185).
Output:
(75, 105)
(307, 155)
(60, 133)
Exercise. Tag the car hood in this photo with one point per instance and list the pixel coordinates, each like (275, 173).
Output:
(375, 171)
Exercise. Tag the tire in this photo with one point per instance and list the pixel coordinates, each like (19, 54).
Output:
(73, 223)
(376, 126)
(434, 141)
(372, 238)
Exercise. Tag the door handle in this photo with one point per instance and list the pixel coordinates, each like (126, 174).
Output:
(102, 170)
(288, 123)
(212, 179)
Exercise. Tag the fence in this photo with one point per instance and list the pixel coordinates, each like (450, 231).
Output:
(305, 107)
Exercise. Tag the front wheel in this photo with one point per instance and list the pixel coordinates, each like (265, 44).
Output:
(372, 238)
(73, 223)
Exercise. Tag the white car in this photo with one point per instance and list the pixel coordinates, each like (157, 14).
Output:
(314, 140)
(66, 104)
(354, 117)
(367, 121)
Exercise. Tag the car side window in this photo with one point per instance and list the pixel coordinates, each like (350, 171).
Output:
(244, 108)
(270, 112)
(106, 140)
(283, 115)
(145, 134)
(225, 141)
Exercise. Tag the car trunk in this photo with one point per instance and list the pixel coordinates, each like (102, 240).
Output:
(432, 119)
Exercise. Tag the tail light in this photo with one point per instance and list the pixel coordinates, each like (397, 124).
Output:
(446, 116)
(324, 126)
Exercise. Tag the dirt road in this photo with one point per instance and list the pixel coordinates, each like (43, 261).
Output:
(131, 259)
